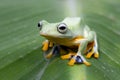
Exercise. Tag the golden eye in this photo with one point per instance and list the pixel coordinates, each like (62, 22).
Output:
(62, 28)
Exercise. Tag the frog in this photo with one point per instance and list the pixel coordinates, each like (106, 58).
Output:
(72, 35)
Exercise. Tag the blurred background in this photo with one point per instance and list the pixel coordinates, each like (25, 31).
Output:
(21, 57)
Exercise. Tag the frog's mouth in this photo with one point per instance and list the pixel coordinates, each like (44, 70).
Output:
(48, 36)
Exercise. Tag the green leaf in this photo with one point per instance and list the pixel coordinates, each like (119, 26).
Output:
(21, 57)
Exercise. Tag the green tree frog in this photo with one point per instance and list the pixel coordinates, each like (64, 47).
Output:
(70, 35)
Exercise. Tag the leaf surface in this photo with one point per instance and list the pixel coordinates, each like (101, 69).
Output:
(21, 57)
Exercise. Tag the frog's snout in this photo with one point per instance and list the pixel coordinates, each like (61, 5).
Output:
(43, 34)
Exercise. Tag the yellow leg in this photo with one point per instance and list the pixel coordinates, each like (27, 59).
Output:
(45, 46)
(71, 62)
(90, 54)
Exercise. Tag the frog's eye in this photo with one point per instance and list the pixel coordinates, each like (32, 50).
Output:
(40, 25)
(62, 28)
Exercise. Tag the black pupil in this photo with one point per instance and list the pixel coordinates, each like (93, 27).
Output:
(39, 25)
(62, 28)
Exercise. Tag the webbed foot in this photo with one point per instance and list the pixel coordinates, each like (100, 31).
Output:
(75, 59)
(78, 60)
(93, 52)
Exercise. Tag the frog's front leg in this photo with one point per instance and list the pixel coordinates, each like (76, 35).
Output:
(91, 37)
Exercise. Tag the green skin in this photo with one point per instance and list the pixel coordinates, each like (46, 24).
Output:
(71, 28)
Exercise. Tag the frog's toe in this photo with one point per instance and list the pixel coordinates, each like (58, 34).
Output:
(96, 55)
(45, 46)
(86, 63)
(71, 62)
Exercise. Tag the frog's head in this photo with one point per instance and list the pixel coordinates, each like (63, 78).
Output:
(64, 29)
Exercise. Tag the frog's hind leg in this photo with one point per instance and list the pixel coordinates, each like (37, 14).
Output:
(55, 50)
(92, 49)
(96, 54)
(89, 37)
